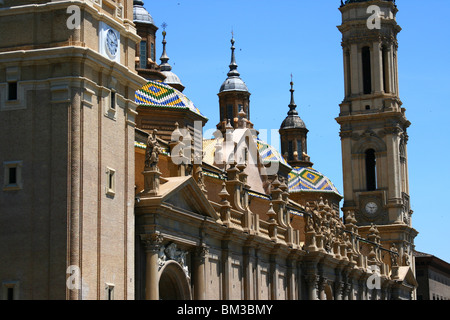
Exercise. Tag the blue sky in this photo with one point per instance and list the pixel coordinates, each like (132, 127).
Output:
(277, 38)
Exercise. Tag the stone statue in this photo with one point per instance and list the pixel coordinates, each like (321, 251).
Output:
(394, 256)
(152, 151)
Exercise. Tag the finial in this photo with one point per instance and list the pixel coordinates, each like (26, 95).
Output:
(165, 66)
(292, 104)
(233, 64)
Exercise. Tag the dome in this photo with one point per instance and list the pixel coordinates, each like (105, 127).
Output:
(307, 179)
(233, 84)
(140, 14)
(269, 153)
(293, 122)
(172, 79)
(158, 94)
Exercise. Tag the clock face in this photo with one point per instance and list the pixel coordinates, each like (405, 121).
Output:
(112, 43)
(371, 208)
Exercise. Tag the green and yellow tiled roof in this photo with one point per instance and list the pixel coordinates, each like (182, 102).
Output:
(309, 179)
(142, 145)
(269, 153)
(159, 94)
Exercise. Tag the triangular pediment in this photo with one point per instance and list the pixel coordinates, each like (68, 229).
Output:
(406, 276)
(183, 193)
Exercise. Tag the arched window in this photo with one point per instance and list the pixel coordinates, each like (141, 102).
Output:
(367, 70)
(371, 170)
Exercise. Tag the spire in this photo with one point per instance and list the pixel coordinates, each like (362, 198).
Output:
(233, 82)
(233, 65)
(166, 69)
(165, 66)
(292, 105)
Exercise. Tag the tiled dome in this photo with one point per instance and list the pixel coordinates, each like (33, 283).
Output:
(309, 179)
(158, 94)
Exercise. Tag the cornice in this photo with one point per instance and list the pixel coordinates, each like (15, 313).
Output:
(71, 54)
(124, 26)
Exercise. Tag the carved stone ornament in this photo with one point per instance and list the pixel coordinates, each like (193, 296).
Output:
(152, 241)
(152, 152)
(394, 256)
(172, 253)
(201, 253)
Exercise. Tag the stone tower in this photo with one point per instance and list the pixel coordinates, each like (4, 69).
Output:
(374, 126)
(234, 96)
(67, 122)
(146, 64)
(293, 135)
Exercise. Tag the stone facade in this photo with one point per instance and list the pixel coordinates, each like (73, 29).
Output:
(97, 206)
(72, 129)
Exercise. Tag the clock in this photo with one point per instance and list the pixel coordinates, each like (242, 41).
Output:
(371, 208)
(112, 43)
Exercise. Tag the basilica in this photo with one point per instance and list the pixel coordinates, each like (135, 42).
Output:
(111, 191)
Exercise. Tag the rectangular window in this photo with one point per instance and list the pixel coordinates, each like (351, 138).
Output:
(12, 91)
(290, 151)
(109, 291)
(152, 52)
(143, 55)
(10, 294)
(12, 175)
(230, 113)
(367, 70)
(110, 182)
(299, 149)
(9, 290)
(113, 100)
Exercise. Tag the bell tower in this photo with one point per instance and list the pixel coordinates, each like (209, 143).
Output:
(373, 123)
(293, 135)
(234, 96)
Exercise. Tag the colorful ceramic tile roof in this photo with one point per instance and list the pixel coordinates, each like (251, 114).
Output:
(309, 179)
(159, 94)
(141, 145)
(295, 212)
(269, 153)
(209, 148)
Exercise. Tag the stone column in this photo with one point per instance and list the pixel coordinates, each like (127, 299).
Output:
(199, 285)
(152, 243)
(274, 277)
(355, 66)
(248, 272)
(348, 291)
(322, 283)
(226, 267)
(291, 268)
(377, 67)
(313, 286)
(339, 287)
(362, 289)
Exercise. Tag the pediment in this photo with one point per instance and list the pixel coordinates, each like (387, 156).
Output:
(406, 276)
(185, 194)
